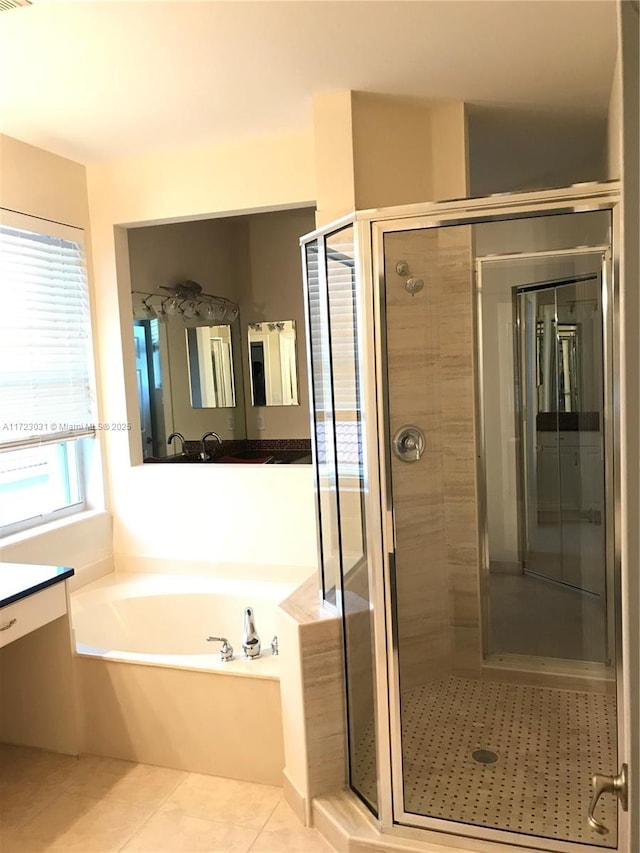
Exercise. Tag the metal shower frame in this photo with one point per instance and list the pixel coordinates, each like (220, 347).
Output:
(370, 226)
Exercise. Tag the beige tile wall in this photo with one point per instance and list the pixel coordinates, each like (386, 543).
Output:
(359, 645)
(430, 362)
(313, 698)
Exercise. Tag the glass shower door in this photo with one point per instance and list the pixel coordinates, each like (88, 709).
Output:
(495, 745)
(335, 350)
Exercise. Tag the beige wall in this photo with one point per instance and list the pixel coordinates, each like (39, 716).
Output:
(392, 151)
(38, 183)
(614, 125)
(263, 514)
(376, 150)
(333, 155)
(272, 292)
(41, 184)
(430, 357)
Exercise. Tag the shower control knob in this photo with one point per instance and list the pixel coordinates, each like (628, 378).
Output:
(408, 443)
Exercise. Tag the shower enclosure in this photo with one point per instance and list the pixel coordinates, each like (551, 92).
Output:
(464, 375)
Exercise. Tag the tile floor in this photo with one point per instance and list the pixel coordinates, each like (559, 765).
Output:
(548, 742)
(51, 802)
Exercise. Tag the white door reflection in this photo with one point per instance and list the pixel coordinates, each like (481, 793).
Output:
(272, 362)
(210, 360)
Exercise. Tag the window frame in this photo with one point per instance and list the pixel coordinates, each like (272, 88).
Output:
(75, 446)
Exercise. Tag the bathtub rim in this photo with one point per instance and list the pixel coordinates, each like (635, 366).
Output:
(263, 668)
(124, 585)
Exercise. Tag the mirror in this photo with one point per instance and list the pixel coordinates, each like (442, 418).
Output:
(272, 363)
(192, 364)
(192, 370)
(210, 359)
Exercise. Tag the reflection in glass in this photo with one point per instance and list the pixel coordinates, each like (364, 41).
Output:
(146, 335)
(272, 361)
(564, 484)
(210, 358)
(356, 601)
(337, 396)
(325, 451)
(541, 340)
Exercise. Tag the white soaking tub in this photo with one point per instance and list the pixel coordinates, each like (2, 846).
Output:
(152, 689)
(165, 620)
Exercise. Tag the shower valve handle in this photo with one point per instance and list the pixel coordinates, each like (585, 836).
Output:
(408, 443)
(602, 784)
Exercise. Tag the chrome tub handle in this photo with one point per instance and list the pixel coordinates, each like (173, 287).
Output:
(226, 649)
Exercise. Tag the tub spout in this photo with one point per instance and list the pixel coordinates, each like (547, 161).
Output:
(250, 638)
(226, 651)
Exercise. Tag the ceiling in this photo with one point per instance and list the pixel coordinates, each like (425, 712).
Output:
(95, 80)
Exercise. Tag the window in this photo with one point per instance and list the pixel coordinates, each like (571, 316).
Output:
(46, 371)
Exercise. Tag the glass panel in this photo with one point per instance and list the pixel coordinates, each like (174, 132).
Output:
(561, 374)
(580, 442)
(37, 482)
(504, 684)
(542, 528)
(326, 475)
(356, 605)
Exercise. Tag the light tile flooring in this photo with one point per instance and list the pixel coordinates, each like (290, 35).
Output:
(51, 802)
(549, 743)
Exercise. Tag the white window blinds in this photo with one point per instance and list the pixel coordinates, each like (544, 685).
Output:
(342, 318)
(46, 388)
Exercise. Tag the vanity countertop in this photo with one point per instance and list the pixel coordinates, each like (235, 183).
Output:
(19, 580)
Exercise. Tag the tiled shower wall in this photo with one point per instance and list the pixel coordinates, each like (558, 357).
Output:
(430, 345)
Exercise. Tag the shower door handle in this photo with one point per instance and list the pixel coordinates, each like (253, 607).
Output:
(602, 784)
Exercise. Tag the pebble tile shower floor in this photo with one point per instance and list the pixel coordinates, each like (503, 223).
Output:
(549, 743)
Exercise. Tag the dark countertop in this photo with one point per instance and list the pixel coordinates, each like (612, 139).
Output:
(19, 580)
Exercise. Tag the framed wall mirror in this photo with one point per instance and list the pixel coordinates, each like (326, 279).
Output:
(196, 289)
(272, 363)
(211, 374)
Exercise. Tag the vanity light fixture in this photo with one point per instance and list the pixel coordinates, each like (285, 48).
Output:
(187, 300)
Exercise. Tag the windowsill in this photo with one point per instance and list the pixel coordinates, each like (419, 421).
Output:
(50, 527)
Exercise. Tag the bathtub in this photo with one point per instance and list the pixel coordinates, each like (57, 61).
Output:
(152, 689)
(164, 620)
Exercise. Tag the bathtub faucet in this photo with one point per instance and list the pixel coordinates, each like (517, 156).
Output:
(203, 453)
(226, 650)
(181, 437)
(250, 638)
